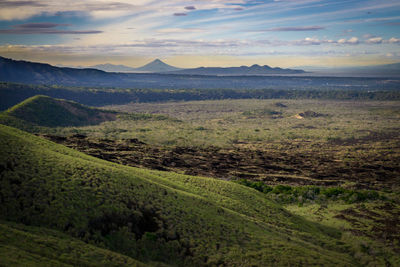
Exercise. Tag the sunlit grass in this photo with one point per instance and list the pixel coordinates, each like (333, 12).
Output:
(228, 122)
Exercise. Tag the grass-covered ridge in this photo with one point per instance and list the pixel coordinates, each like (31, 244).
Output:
(33, 246)
(45, 111)
(154, 216)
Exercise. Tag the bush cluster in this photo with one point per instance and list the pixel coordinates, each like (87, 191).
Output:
(301, 194)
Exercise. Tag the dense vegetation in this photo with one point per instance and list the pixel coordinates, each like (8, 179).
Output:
(304, 194)
(11, 94)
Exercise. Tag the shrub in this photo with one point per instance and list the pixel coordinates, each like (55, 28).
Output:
(300, 194)
(279, 189)
(333, 191)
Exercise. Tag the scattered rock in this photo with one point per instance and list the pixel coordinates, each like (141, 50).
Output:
(280, 105)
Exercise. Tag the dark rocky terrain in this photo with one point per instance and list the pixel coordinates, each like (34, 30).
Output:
(297, 163)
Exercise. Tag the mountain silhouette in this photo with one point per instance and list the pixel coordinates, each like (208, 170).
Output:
(242, 70)
(157, 66)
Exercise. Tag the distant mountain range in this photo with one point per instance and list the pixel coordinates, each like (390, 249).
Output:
(113, 68)
(200, 78)
(38, 73)
(237, 71)
(158, 66)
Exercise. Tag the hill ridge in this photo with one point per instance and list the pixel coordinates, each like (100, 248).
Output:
(46, 111)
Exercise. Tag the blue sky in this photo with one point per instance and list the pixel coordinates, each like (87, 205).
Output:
(195, 33)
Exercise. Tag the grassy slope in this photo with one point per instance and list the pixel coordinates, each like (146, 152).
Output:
(372, 228)
(154, 216)
(32, 246)
(49, 112)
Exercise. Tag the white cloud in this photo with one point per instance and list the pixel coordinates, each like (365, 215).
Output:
(374, 40)
(368, 35)
(351, 41)
(310, 41)
(394, 40)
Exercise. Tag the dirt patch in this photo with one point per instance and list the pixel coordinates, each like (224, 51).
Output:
(309, 114)
(298, 116)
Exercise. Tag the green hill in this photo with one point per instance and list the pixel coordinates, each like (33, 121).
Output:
(50, 112)
(152, 216)
(21, 245)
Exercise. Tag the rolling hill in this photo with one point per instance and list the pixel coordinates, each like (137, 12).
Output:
(39, 73)
(150, 216)
(45, 111)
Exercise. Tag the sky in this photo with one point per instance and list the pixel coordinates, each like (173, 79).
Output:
(284, 33)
